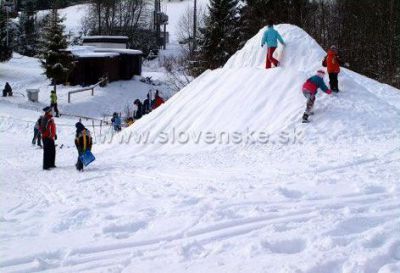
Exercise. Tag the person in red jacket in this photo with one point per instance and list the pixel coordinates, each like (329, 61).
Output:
(310, 89)
(332, 62)
(48, 131)
(157, 100)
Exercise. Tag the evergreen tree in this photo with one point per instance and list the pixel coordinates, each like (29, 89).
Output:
(219, 38)
(255, 14)
(55, 60)
(5, 48)
(27, 34)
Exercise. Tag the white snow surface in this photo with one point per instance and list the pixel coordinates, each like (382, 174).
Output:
(325, 201)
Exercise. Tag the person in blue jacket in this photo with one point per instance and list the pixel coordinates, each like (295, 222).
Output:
(116, 122)
(271, 38)
(310, 89)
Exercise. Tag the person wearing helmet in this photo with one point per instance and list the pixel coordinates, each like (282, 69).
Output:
(332, 62)
(310, 89)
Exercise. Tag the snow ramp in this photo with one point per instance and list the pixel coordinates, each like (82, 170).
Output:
(243, 96)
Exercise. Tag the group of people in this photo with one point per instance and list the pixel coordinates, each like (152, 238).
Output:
(145, 107)
(332, 62)
(45, 131)
(141, 109)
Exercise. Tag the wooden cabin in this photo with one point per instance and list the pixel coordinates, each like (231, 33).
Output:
(101, 56)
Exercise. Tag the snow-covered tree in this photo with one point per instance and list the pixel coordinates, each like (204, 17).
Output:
(5, 48)
(55, 60)
(27, 40)
(219, 37)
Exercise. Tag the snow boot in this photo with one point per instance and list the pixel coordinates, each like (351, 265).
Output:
(305, 118)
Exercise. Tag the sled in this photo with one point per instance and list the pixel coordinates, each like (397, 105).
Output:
(279, 54)
(86, 158)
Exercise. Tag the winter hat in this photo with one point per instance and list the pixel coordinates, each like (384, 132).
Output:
(47, 109)
(79, 126)
(321, 73)
(334, 48)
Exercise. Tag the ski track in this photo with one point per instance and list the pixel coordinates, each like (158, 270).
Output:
(293, 209)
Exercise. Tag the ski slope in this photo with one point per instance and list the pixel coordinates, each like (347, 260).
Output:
(324, 201)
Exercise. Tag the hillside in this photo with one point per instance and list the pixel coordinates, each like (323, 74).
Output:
(243, 96)
(315, 198)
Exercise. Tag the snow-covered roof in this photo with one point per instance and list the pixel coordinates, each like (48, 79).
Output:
(120, 50)
(92, 51)
(105, 37)
(96, 54)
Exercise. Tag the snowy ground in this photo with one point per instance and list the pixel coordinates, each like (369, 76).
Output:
(24, 72)
(325, 201)
(324, 208)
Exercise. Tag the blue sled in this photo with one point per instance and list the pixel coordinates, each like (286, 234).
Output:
(87, 157)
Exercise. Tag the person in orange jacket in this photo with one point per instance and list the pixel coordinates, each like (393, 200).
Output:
(332, 62)
(48, 131)
(157, 100)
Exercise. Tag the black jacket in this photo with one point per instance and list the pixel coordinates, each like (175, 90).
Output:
(83, 140)
(140, 110)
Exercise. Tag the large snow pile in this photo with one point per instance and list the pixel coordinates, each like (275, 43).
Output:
(328, 203)
(243, 96)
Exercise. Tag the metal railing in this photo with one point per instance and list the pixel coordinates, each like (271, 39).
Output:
(84, 89)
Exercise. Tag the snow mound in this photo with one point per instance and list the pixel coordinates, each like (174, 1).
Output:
(243, 96)
(301, 52)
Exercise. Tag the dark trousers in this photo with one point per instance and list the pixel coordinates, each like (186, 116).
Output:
(36, 136)
(49, 153)
(79, 164)
(333, 81)
(55, 108)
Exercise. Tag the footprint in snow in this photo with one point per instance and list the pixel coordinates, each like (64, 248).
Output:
(124, 230)
(355, 225)
(292, 194)
(285, 246)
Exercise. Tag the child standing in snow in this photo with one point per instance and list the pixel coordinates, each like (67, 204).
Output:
(158, 100)
(83, 142)
(36, 133)
(139, 109)
(332, 62)
(271, 37)
(116, 122)
(53, 102)
(7, 90)
(310, 89)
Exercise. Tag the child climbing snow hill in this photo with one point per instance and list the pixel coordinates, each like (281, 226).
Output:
(310, 89)
(271, 38)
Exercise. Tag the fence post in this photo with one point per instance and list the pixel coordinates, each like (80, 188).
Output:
(94, 131)
(69, 97)
(93, 91)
